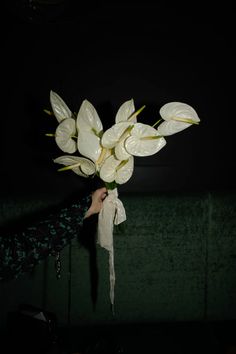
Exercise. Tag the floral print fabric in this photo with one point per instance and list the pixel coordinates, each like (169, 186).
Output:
(21, 251)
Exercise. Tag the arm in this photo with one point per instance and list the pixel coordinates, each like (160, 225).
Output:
(21, 251)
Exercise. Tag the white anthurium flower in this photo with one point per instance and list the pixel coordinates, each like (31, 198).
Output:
(115, 134)
(116, 170)
(125, 112)
(90, 130)
(144, 140)
(177, 117)
(88, 119)
(80, 165)
(65, 135)
(59, 107)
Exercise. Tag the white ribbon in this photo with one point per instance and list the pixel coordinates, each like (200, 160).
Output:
(112, 213)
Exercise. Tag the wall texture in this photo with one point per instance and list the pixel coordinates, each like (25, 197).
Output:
(175, 260)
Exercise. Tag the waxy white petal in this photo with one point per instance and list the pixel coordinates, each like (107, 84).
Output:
(144, 141)
(88, 119)
(120, 151)
(89, 145)
(125, 172)
(125, 112)
(178, 116)
(63, 136)
(82, 166)
(59, 107)
(178, 110)
(108, 169)
(116, 170)
(171, 127)
(114, 134)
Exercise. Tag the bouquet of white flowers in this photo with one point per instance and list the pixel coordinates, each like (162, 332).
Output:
(110, 154)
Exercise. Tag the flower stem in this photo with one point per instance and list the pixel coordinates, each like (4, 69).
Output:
(110, 185)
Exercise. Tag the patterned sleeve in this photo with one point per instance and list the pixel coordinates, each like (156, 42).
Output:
(21, 251)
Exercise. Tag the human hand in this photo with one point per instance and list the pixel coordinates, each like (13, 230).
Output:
(97, 201)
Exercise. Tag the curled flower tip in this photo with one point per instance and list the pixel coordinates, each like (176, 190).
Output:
(50, 134)
(50, 113)
(136, 113)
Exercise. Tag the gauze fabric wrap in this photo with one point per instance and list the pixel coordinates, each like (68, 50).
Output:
(112, 213)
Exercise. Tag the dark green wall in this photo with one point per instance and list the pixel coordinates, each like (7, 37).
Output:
(175, 260)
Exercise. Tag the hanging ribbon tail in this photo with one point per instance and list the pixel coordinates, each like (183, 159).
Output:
(112, 213)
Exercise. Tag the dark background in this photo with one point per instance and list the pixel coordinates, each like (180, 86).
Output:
(110, 52)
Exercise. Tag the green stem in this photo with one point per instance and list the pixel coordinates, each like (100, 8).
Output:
(110, 185)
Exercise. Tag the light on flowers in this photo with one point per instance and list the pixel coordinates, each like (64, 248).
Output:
(90, 129)
(110, 154)
(177, 117)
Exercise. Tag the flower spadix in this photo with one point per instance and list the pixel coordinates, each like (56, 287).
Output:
(144, 140)
(177, 117)
(80, 165)
(59, 107)
(114, 170)
(90, 130)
